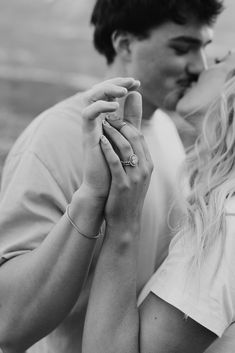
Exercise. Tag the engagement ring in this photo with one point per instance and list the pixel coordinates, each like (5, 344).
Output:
(132, 161)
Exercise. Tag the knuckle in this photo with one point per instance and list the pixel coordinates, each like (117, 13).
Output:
(126, 149)
(123, 186)
(115, 161)
(97, 90)
(108, 97)
(134, 137)
(136, 179)
(145, 173)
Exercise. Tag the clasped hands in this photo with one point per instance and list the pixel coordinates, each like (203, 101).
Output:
(108, 142)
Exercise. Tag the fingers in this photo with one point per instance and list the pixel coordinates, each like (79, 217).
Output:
(119, 142)
(132, 112)
(133, 109)
(124, 175)
(129, 82)
(101, 98)
(128, 141)
(113, 161)
(111, 89)
(95, 109)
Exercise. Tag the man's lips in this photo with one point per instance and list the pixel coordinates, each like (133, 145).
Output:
(185, 83)
(186, 86)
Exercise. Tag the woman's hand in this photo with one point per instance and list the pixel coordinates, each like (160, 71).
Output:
(129, 183)
(98, 100)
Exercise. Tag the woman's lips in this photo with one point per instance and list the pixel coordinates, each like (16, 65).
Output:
(187, 87)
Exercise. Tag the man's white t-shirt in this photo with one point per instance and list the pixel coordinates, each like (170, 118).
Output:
(41, 174)
(44, 169)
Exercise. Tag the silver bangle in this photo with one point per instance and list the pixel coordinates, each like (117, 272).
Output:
(91, 237)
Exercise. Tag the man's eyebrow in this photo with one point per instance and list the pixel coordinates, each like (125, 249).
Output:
(189, 40)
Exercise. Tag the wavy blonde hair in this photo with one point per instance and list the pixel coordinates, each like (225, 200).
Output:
(210, 166)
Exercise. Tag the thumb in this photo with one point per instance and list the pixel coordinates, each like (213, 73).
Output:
(133, 109)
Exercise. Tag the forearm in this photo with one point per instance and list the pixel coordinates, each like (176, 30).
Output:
(112, 321)
(38, 289)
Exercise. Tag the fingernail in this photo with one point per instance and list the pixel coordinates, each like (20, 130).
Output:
(114, 104)
(103, 139)
(105, 123)
(112, 117)
(125, 91)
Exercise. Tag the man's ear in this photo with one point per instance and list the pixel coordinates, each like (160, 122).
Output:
(122, 44)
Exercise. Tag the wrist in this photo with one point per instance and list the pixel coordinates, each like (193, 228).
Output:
(87, 211)
(89, 194)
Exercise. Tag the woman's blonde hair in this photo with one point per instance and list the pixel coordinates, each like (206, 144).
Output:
(210, 165)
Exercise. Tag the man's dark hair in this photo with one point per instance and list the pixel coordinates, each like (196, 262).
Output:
(140, 16)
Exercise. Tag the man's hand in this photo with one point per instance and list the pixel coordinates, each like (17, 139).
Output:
(99, 100)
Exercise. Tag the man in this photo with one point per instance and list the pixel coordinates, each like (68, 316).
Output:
(157, 44)
(163, 45)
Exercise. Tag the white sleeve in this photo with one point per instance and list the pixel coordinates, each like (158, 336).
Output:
(206, 294)
(41, 173)
(30, 205)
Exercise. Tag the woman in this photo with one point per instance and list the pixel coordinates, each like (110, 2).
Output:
(199, 267)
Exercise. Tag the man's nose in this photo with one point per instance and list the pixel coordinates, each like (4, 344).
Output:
(197, 62)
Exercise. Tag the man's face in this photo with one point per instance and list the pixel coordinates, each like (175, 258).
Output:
(169, 61)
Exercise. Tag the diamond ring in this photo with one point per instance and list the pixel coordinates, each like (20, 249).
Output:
(132, 161)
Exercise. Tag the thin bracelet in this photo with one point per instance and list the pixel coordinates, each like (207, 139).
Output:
(91, 237)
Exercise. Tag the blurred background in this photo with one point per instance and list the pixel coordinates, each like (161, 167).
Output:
(46, 54)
